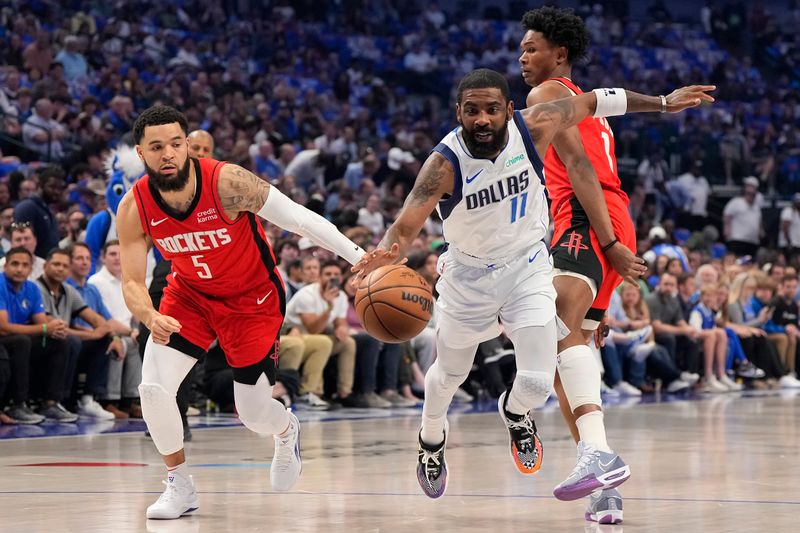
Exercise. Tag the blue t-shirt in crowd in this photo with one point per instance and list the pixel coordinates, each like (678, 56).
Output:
(21, 305)
(93, 299)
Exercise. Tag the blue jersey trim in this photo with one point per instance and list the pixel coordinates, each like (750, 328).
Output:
(447, 205)
(527, 140)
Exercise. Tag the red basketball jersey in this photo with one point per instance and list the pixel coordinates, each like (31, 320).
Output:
(210, 253)
(598, 142)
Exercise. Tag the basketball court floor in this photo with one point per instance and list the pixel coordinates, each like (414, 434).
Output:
(699, 464)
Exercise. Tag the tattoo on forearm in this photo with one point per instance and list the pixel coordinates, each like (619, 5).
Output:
(428, 181)
(240, 190)
(556, 112)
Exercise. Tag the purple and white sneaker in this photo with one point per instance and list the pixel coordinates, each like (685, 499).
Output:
(432, 467)
(596, 470)
(605, 507)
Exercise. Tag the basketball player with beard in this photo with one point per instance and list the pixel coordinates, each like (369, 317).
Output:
(486, 179)
(202, 214)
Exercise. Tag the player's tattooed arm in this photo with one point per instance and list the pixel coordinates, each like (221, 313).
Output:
(435, 179)
(240, 190)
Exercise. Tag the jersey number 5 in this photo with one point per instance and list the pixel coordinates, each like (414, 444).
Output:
(204, 272)
(518, 204)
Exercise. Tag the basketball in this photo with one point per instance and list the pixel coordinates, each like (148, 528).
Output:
(394, 303)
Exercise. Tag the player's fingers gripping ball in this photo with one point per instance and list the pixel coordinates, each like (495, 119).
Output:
(394, 303)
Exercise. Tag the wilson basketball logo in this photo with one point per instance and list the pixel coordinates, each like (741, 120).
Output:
(575, 244)
(426, 304)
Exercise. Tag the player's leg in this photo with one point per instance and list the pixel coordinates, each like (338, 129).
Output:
(163, 370)
(535, 348)
(450, 369)
(261, 413)
(566, 412)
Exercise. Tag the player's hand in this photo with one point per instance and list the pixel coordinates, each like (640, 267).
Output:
(161, 327)
(601, 332)
(691, 96)
(375, 259)
(626, 263)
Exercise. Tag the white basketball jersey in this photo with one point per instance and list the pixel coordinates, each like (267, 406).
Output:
(498, 207)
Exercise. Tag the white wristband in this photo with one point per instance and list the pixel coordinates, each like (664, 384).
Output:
(282, 211)
(610, 102)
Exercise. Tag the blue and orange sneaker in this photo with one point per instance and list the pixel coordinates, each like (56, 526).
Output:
(432, 467)
(525, 445)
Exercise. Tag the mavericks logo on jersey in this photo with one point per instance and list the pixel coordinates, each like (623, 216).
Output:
(196, 241)
(498, 191)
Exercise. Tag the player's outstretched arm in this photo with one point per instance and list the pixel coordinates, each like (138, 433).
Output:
(133, 247)
(546, 119)
(569, 147)
(435, 179)
(242, 191)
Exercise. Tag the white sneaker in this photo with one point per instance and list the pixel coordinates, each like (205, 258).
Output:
(643, 351)
(314, 402)
(462, 396)
(690, 377)
(286, 464)
(192, 411)
(608, 391)
(178, 499)
(626, 389)
(788, 382)
(93, 409)
(713, 385)
(732, 385)
(677, 385)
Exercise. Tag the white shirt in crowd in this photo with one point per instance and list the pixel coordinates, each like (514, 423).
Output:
(309, 300)
(110, 289)
(371, 221)
(698, 189)
(791, 215)
(745, 219)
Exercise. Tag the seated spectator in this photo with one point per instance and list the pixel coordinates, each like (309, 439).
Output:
(658, 363)
(294, 280)
(370, 216)
(307, 354)
(737, 350)
(321, 308)
(103, 294)
(763, 354)
(310, 269)
(35, 210)
(687, 295)
(672, 331)
(22, 237)
(714, 340)
(35, 342)
(785, 344)
(786, 315)
(42, 134)
(88, 349)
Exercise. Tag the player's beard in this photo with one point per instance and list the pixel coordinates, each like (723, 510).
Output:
(167, 183)
(485, 149)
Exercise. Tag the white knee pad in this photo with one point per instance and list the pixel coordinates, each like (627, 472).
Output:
(580, 376)
(160, 412)
(258, 411)
(532, 389)
(441, 382)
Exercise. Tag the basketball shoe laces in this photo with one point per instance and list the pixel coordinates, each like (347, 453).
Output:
(522, 432)
(171, 494)
(285, 452)
(586, 455)
(432, 464)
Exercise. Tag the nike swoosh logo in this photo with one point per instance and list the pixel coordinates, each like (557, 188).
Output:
(532, 259)
(470, 180)
(261, 300)
(605, 466)
(157, 222)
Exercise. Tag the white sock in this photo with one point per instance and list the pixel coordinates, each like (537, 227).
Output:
(178, 470)
(593, 431)
(86, 399)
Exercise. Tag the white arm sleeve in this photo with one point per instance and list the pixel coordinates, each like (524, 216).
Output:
(282, 211)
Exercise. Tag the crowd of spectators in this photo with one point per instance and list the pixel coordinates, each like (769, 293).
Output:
(338, 106)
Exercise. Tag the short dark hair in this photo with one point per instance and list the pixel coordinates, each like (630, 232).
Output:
(293, 265)
(57, 251)
(787, 278)
(109, 244)
(484, 78)
(561, 27)
(287, 243)
(683, 278)
(330, 263)
(156, 116)
(71, 248)
(19, 250)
